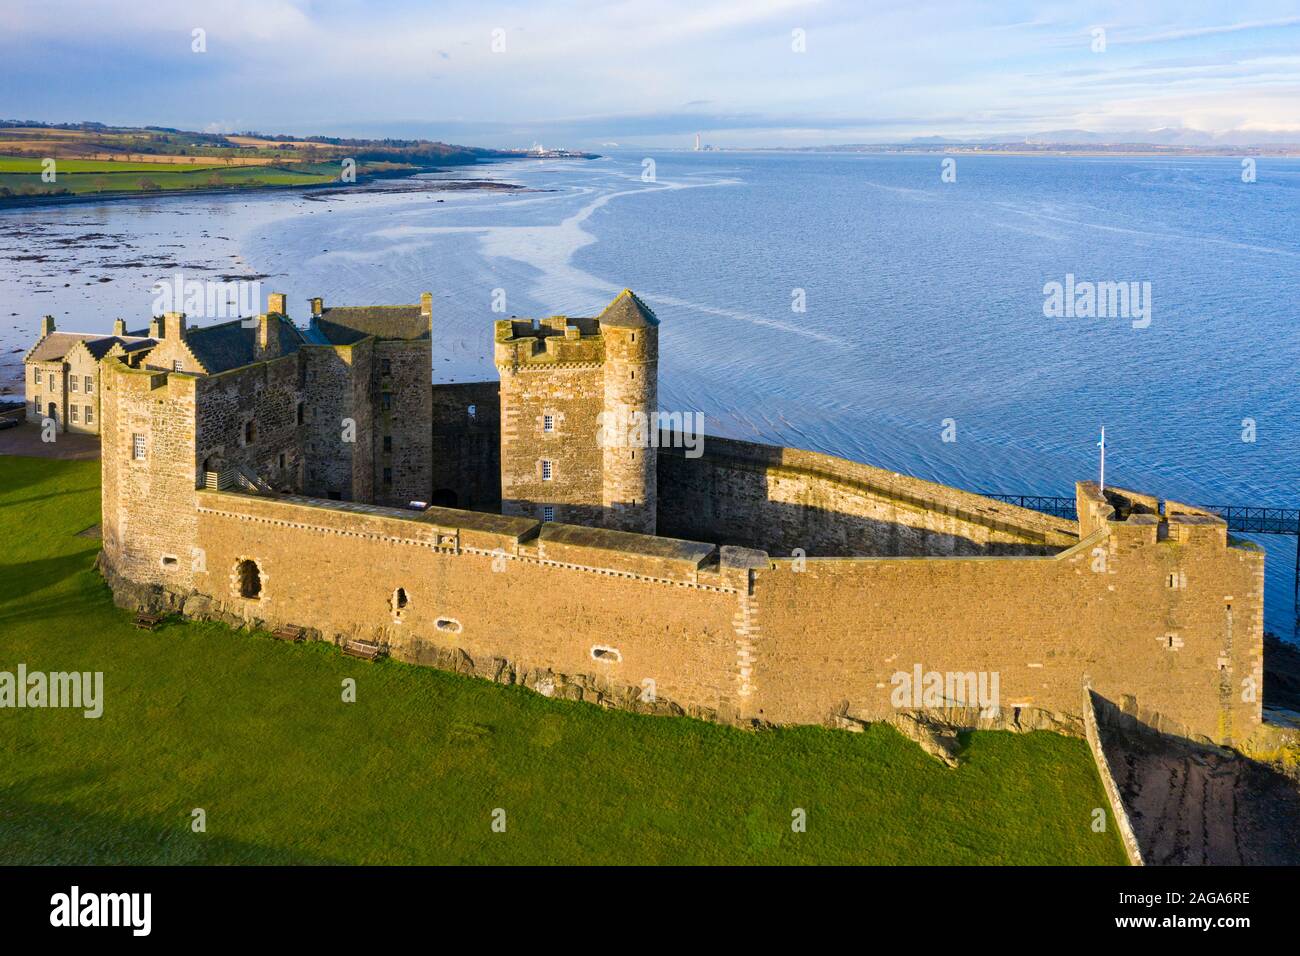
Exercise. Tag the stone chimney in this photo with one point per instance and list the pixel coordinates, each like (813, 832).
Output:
(119, 327)
(277, 303)
(173, 325)
(156, 327)
(47, 325)
(317, 307)
(426, 304)
(266, 338)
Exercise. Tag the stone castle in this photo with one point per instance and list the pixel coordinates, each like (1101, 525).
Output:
(310, 480)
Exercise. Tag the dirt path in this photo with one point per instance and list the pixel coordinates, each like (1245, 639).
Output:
(26, 440)
(1193, 806)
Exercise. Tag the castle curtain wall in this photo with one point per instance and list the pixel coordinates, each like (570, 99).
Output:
(467, 587)
(765, 642)
(1183, 658)
(782, 499)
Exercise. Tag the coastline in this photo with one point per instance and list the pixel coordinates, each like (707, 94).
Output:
(29, 202)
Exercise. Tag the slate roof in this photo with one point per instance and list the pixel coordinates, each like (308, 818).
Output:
(628, 312)
(219, 348)
(345, 325)
(55, 346)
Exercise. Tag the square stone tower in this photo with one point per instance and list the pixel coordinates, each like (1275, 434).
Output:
(578, 404)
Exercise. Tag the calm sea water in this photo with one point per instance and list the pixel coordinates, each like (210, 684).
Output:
(923, 300)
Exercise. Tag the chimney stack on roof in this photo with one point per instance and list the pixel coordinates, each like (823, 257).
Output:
(317, 307)
(426, 304)
(278, 303)
(173, 326)
(47, 325)
(119, 327)
(266, 337)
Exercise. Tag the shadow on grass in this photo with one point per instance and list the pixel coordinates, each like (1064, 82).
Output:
(21, 587)
(50, 834)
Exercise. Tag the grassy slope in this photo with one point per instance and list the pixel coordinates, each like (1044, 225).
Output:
(83, 177)
(254, 732)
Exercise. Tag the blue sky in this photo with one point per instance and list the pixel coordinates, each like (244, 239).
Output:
(641, 72)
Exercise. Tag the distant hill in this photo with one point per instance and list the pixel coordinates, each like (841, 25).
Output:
(90, 140)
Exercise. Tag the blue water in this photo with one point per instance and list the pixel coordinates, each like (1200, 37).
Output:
(924, 301)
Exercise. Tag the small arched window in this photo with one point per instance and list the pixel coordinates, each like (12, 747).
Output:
(399, 599)
(250, 579)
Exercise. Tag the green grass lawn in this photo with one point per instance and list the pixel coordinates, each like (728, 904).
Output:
(21, 176)
(255, 733)
(32, 164)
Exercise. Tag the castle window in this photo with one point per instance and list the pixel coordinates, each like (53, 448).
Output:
(388, 443)
(302, 413)
(250, 432)
(473, 410)
(37, 377)
(448, 624)
(399, 599)
(387, 366)
(282, 461)
(388, 476)
(249, 577)
(137, 447)
(72, 383)
(386, 401)
(90, 384)
(547, 471)
(548, 423)
(169, 561)
(72, 412)
(176, 365)
(90, 415)
(608, 655)
(548, 512)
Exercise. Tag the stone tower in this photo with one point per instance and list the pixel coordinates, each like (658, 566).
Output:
(577, 403)
(631, 397)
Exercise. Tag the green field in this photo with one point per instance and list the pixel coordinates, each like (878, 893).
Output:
(31, 164)
(255, 733)
(21, 176)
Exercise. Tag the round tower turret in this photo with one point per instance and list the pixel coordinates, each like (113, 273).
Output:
(629, 426)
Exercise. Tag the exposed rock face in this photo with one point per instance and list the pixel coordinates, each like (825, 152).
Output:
(1192, 804)
(936, 731)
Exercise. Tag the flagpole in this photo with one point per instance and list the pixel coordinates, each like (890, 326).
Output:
(1102, 445)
